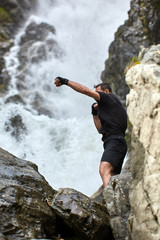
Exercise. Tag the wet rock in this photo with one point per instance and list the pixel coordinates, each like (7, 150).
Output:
(85, 218)
(23, 209)
(38, 103)
(16, 126)
(13, 13)
(142, 29)
(4, 77)
(15, 99)
(36, 44)
(36, 32)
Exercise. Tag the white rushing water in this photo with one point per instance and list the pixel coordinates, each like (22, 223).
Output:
(66, 148)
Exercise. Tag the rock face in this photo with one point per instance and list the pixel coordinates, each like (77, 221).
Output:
(144, 113)
(23, 209)
(87, 219)
(116, 199)
(12, 14)
(140, 30)
(116, 196)
(25, 213)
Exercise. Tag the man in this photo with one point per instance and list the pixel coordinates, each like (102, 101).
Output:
(110, 119)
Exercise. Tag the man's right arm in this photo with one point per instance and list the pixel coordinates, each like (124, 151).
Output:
(78, 88)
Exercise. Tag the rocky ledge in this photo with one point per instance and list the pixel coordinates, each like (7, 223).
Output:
(25, 213)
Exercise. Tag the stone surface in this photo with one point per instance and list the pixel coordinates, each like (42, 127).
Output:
(16, 127)
(13, 14)
(116, 199)
(143, 103)
(140, 30)
(87, 219)
(36, 46)
(116, 196)
(23, 208)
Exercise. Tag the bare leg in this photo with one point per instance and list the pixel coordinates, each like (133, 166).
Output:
(106, 172)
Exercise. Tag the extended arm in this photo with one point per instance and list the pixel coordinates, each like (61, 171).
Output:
(78, 88)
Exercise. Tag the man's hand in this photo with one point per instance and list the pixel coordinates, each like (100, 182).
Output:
(60, 81)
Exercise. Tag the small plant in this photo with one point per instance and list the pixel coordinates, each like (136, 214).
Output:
(132, 62)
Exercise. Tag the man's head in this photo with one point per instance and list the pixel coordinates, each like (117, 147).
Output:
(104, 87)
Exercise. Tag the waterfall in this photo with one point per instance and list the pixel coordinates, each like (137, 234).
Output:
(64, 144)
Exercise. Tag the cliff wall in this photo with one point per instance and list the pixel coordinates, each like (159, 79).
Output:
(143, 104)
(142, 29)
(12, 15)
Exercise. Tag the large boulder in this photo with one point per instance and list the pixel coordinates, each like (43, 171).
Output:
(143, 103)
(85, 219)
(23, 208)
(140, 30)
(25, 213)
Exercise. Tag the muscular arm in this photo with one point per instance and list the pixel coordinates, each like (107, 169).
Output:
(80, 88)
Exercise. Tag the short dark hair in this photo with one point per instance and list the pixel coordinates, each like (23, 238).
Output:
(104, 86)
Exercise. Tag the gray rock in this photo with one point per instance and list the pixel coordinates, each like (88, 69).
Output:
(116, 199)
(16, 126)
(13, 14)
(88, 219)
(15, 99)
(35, 47)
(116, 196)
(143, 107)
(23, 209)
(36, 32)
(142, 29)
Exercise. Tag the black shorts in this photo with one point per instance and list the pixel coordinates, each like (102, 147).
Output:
(115, 149)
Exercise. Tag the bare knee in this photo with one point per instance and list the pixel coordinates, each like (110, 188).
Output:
(105, 168)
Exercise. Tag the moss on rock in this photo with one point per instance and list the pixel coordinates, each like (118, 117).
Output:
(2, 87)
(4, 16)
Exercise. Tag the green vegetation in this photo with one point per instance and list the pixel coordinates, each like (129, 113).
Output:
(157, 4)
(132, 62)
(2, 38)
(119, 32)
(2, 87)
(4, 16)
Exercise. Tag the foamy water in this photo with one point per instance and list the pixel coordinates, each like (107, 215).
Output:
(67, 147)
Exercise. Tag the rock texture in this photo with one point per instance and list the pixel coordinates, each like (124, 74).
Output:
(116, 196)
(87, 219)
(140, 30)
(25, 213)
(116, 199)
(23, 209)
(143, 103)
(36, 45)
(12, 14)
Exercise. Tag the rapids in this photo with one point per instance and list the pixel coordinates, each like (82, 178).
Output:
(66, 147)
